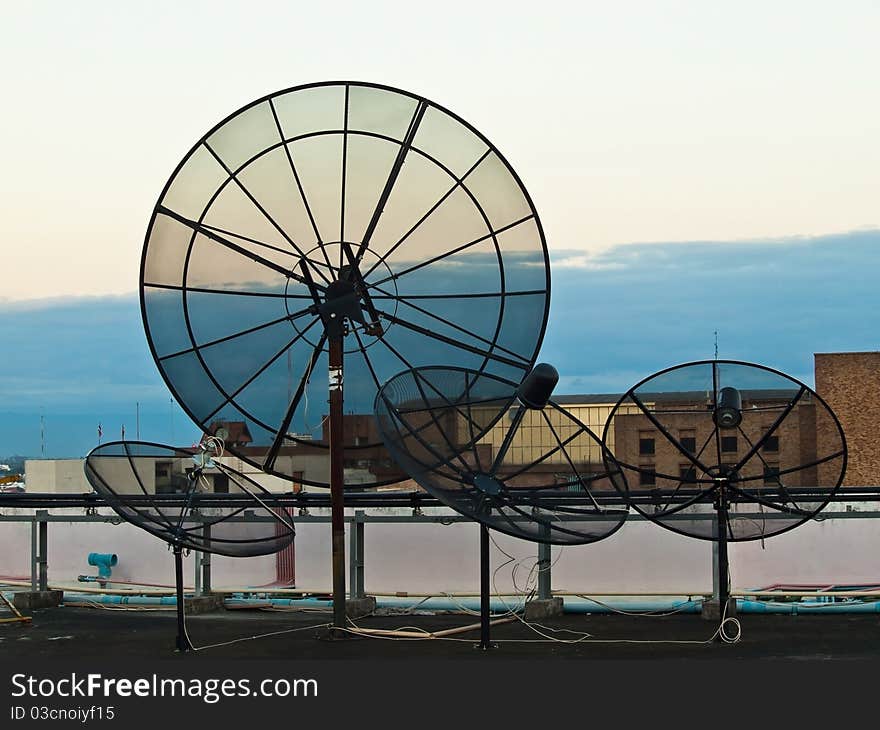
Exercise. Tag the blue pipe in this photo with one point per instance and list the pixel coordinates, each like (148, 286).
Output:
(588, 606)
(807, 607)
(571, 606)
(284, 602)
(116, 599)
(447, 604)
(742, 606)
(138, 600)
(103, 562)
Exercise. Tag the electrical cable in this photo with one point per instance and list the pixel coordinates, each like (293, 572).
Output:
(259, 636)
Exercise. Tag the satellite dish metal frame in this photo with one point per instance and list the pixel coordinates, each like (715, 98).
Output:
(335, 306)
(533, 393)
(723, 488)
(175, 540)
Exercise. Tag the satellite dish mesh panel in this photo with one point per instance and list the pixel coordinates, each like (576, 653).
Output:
(461, 436)
(776, 444)
(129, 475)
(377, 201)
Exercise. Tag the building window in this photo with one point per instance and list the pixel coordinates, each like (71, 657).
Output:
(163, 484)
(728, 444)
(771, 475)
(646, 446)
(221, 484)
(647, 477)
(771, 445)
(687, 473)
(688, 443)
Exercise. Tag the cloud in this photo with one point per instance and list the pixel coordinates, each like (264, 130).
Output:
(655, 305)
(615, 318)
(584, 261)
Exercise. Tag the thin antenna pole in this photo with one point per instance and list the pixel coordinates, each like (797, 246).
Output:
(716, 344)
(171, 417)
(42, 437)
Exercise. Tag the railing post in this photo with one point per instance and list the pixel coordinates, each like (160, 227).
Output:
(545, 588)
(43, 559)
(716, 582)
(356, 555)
(197, 565)
(206, 562)
(359, 525)
(35, 555)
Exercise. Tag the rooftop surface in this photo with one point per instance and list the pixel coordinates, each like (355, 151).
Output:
(84, 633)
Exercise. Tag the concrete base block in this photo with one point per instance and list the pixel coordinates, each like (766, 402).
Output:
(202, 604)
(711, 609)
(359, 607)
(29, 600)
(543, 608)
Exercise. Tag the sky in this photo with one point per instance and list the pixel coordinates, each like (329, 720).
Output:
(660, 141)
(614, 319)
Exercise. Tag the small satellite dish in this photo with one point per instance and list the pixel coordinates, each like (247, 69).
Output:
(133, 477)
(539, 476)
(763, 456)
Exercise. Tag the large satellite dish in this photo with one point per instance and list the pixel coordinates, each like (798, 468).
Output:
(503, 454)
(345, 201)
(132, 476)
(331, 234)
(725, 450)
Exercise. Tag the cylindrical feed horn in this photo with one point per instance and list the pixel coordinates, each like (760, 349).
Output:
(537, 387)
(728, 411)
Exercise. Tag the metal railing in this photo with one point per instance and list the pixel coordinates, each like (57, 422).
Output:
(41, 518)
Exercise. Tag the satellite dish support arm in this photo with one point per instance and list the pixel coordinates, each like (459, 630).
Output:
(183, 643)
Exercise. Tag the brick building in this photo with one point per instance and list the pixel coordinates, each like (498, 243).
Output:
(687, 418)
(850, 383)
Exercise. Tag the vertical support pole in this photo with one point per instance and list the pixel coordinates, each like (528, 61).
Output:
(485, 589)
(35, 555)
(545, 590)
(359, 528)
(182, 643)
(337, 477)
(723, 564)
(715, 592)
(43, 560)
